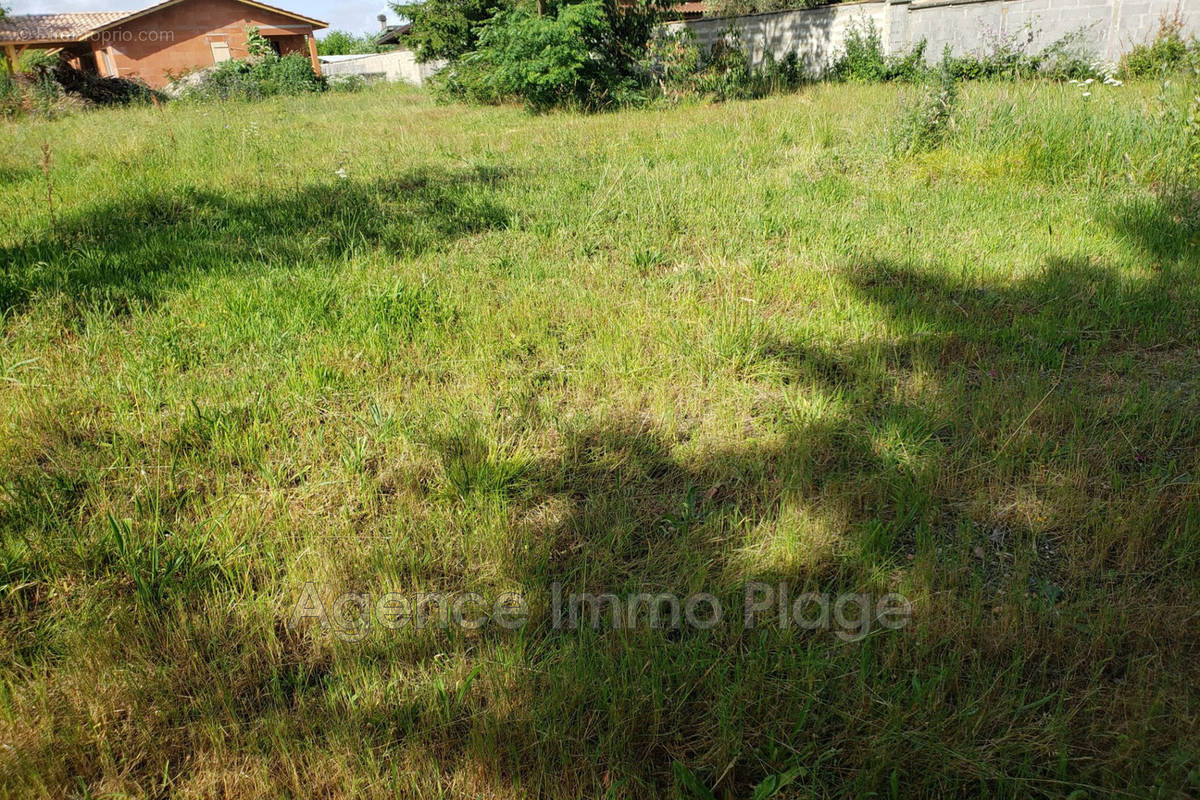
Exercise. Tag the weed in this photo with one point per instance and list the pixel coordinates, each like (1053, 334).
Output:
(166, 123)
(927, 123)
(404, 311)
(165, 566)
(863, 59)
(1168, 52)
(49, 184)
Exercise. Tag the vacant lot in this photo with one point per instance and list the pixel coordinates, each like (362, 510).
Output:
(378, 345)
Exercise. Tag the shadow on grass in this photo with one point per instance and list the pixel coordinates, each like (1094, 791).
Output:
(1165, 224)
(1010, 454)
(15, 174)
(132, 250)
(1043, 423)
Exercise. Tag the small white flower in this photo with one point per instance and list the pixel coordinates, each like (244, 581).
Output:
(1087, 94)
(1072, 81)
(1088, 82)
(341, 173)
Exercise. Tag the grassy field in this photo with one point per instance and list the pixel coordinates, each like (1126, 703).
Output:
(374, 344)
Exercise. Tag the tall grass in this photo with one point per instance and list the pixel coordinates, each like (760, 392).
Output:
(373, 344)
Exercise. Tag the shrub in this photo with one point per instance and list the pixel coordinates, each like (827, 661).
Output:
(1168, 52)
(251, 80)
(672, 61)
(1068, 58)
(257, 45)
(727, 75)
(863, 60)
(341, 43)
(10, 95)
(50, 85)
(1007, 57)
(595, 54)
(290, 74)
(724, 73)
(926, 124)
(578, 55)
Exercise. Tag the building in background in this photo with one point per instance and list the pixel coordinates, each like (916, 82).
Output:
(399, 63)
(160, 42)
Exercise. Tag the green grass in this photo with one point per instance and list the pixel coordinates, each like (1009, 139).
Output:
(666, 350)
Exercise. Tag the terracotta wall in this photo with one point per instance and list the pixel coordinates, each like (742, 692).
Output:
(179, 39)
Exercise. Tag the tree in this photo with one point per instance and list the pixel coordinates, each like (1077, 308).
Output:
(446, 29)
(343, 43)
(584, 54)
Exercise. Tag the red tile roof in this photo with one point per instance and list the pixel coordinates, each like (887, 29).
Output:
(55, 27)
(49, 28)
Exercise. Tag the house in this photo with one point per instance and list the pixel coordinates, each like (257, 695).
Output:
(160, 42)
(391, 35)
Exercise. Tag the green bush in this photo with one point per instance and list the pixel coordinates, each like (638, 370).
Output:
(578, 55)
(1169, 51)
(252, 80)
(10, 95)
(679, 69)
(926, 124)
(672, 61)
(726, 74)
(597, 54)
(1180, 124)
(291, 74)
(341, 43)
(1008, 58)
(863, 60)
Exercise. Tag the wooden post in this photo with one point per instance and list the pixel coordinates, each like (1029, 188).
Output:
(10, 58)
(312, 53)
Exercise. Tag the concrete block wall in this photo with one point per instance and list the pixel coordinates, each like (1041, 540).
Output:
(1107, 28)
(398, 65)
(815, 34)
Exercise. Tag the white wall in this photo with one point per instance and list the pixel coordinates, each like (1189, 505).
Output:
(817, 35)
(398, 65)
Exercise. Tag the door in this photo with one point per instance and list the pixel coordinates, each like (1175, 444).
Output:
(220, 50)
